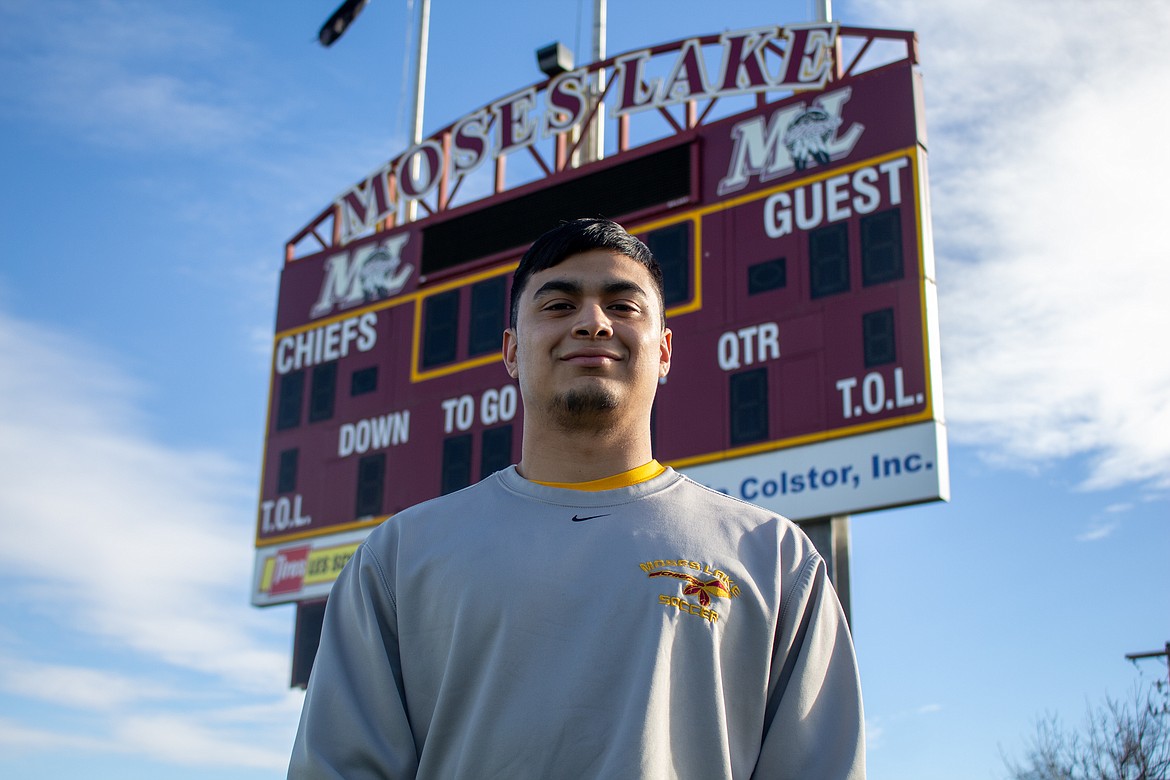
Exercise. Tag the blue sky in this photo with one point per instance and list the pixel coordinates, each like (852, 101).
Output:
(155, 158)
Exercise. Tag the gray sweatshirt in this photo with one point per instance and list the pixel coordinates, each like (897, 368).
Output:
(515, 630)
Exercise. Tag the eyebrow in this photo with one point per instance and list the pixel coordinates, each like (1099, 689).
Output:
(570, 287)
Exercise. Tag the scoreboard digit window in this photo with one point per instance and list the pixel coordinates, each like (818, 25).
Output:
(786, 200)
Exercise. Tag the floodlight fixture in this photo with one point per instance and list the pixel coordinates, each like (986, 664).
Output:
(554, 59)
(342, 18)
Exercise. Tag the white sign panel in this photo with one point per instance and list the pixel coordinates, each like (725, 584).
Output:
(302, 570)
(894, 467)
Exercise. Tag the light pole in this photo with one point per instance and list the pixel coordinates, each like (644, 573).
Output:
(337, 24)
(1154, 654)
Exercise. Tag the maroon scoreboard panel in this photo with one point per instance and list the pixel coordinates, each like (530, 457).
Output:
(794, 239)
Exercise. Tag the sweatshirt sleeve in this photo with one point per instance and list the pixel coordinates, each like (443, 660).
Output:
(354, 724)
(813, 725)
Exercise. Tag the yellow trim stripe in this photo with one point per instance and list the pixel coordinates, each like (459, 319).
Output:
(370, 522)
(808, 438)
(627, 478)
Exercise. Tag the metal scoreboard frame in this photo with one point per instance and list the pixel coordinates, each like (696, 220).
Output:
(779, 175)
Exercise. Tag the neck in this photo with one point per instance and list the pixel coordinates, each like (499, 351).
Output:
(580, 456)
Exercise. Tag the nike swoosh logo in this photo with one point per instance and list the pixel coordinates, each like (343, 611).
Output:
(590, 517)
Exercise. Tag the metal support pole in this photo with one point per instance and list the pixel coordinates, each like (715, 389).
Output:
(595, 133)
(420, 89)
(830, 535)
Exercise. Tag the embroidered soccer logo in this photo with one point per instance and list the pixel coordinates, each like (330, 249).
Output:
(697, 593)
(697, 587)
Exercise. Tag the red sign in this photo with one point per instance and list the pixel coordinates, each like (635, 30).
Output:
(288, 573)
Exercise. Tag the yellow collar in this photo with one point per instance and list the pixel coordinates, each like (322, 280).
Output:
(625, 479)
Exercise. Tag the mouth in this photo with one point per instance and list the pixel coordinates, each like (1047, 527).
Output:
(589, 358)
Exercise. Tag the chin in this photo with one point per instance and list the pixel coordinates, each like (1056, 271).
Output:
(584, 407)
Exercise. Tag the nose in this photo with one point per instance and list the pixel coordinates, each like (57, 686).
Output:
(592, 323)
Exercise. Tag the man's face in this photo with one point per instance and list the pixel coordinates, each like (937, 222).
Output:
(589, 346)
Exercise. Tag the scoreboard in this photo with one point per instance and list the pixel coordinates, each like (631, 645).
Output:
(792, 224)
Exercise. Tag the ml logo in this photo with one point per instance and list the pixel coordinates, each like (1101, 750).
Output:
(789, 140)
(364, 275)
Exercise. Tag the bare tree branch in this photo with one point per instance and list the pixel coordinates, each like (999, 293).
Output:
(1123, 739)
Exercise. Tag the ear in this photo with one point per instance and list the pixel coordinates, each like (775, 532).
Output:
(664, 352)
(510, 345)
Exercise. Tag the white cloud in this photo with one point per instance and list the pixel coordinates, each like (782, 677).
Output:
(19, 736)
(76, 687)
(102, 517)
(178, 739)
(1098, 530)
(143, 551)
(875, 729)
(1048, 200)
(1103, 525)
(127, 73)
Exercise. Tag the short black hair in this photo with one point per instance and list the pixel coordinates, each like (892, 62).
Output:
(573, 238)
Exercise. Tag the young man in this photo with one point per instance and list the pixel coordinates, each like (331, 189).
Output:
(586, 613)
